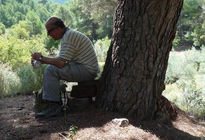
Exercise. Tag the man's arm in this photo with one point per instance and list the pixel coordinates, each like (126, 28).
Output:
(58, 62)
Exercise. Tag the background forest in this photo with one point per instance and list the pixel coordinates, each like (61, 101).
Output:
(22, 32)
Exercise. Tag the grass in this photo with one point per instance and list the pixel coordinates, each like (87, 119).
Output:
(9, 81)
(23, 80)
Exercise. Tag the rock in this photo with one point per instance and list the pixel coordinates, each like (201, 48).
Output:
(122, 122)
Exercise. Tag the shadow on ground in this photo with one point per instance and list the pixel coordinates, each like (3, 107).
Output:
(17, 122)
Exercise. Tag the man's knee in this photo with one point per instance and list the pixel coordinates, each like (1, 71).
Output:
(50, 70)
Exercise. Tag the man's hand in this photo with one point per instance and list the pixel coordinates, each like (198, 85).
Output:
(36, 56)
(58, 62)
(32, 62)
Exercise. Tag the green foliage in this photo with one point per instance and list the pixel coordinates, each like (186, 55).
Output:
(17, 74)
(16, 52)
(198, 35)
(193, 99)
(19, 31)
(176, 41)
(184, 64)
(2, 28)
(74, 17)
(30, 79)
(25, 34)
(102, 12)
(173, 73)
(94, 18)
(9, 81)
(185, 79)
(11, 12)
(51, 45)
(101, 47)
(33, 20)
(60, 1)
(44, 11)
(191, 24)
(72, 131)
(101, 65)
(24, 79)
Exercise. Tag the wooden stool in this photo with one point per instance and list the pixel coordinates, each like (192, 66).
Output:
(85, 89)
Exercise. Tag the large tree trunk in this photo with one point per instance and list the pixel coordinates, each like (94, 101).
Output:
(133, 77)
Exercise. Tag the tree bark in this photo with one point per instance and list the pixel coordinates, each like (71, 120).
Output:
(132, 81)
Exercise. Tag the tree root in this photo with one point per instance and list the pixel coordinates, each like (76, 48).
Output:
(166, 111)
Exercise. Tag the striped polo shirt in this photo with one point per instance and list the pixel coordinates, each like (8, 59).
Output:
(78, 48)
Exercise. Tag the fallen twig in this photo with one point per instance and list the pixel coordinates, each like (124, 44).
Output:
(63, 136)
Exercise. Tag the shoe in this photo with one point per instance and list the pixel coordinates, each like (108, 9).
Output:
(53, 110)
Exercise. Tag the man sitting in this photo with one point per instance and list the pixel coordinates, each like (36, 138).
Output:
(76, 62)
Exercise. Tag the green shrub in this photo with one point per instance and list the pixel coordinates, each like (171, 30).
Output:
(185, 79)
(175, 67)
(16, 52)
(24, 80)
(17, 74)
(101, 47)
(188, 94)
(184, 64)
(2, 28)
(31, 79)
(193, 98)
(9, 81)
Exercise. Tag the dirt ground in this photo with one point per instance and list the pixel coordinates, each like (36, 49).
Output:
(17, 122)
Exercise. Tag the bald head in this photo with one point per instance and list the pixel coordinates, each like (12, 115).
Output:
(55, 22)
(55, 28)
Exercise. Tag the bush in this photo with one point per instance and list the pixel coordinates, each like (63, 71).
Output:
(101, 47)
(16, 52)
(193, 98)
(175, 67)
(184, 64)
(24, 80)
(185, 79)
(31, 79)
(2, 28)
(9, 81)
(17, 74)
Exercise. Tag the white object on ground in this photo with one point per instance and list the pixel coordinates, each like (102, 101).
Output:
(122, 122)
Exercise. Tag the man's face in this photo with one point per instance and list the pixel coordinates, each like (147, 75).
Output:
(53, 32)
